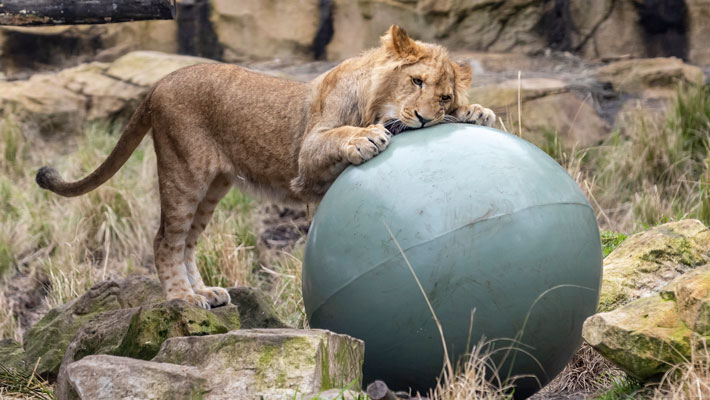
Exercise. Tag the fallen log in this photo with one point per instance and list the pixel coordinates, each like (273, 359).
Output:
(71, 12)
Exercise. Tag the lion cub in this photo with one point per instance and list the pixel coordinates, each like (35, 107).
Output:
(218, 125)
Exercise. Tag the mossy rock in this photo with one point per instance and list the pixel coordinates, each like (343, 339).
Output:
(255, 309)
(647, 336)
(140, 332)
(643, 337)
(49, 338)
(644, 263)
(151, 325)
(270, 363)
(11, 354)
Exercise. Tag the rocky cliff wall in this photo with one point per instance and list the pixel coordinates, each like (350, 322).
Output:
(336, 29)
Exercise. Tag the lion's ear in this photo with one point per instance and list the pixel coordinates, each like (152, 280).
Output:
(398, 42)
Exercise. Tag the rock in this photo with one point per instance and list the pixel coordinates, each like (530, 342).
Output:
(25, 49)
(649, 335)
(245, 364)
(139, 332)
(644, 263)
(42, 105)
(49, 338)
(650, 77)
(151, 325)
(11, 354)
(269, 363)
(255, 309)
(51, 104)
(691, 292)
(145, 68)
(698, 31)
(497, 26)
(607, 29)
(549, 107)
(109, 377)
(257, 30)
(641, 337)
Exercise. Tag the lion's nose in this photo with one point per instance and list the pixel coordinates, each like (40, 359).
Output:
(421, 119)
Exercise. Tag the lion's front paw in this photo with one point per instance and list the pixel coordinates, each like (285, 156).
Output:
(366, 143)
(476, 114)
(216, 296)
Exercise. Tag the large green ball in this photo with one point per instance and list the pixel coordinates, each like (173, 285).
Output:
(488, 222)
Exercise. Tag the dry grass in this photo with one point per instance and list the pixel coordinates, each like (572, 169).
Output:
(689, 380)
(20, 384)
(652, 170)
(108, 233)
(587, 372)
(475, 378)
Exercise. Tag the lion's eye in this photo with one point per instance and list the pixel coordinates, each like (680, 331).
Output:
(445, 97)
(417, 82)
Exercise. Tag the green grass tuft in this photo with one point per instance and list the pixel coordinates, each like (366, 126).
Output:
(610, 241)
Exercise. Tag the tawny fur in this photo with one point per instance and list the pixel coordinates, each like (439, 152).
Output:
(218, 125)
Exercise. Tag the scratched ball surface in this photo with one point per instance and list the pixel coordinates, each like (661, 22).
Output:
(489, 223)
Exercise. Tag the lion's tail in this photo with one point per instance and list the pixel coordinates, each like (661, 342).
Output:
(139, 124)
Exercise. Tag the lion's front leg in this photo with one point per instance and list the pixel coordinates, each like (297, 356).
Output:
(325, 154)
(475, 114)
(361, 144)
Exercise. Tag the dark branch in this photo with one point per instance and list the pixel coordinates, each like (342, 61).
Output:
(71, 12)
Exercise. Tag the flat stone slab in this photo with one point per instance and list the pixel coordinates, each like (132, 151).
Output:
(270, 363)
(104, 377)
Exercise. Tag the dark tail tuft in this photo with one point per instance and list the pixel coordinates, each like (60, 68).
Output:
(47, 178)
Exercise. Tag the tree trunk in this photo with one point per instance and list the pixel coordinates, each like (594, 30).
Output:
(71, 12)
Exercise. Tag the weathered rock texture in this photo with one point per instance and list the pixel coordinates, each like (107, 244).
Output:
(49, 338)
(644, 263)
(105, 377)
(58, 103)
(594, 29)
(652, 77)
(255, 308)
(253, 30)
(12, 356)
(131, 318)
(549, 107)
(649, 335)
(25, 49)
(245, 364)
(139, 332)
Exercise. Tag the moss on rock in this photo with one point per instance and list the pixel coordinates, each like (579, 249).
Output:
(49, 338)
(644, 263)
(11, 354)
(255, 309)
(273, 363)
(647, 336)
(140, 332)
(643, 338)
(151, 325)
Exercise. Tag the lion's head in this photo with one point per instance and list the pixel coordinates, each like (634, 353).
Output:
(417, 84)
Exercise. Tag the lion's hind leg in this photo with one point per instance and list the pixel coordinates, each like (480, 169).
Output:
(169, 247)
(216, 296)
